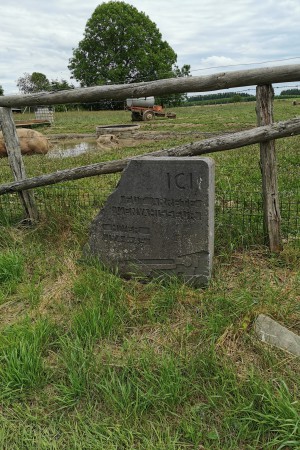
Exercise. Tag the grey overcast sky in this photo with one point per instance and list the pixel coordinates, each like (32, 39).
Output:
(38, 36)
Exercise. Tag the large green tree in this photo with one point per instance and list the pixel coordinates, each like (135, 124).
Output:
(121, 45)
(1, 90)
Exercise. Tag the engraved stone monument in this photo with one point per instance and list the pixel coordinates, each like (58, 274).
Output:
(159, 220)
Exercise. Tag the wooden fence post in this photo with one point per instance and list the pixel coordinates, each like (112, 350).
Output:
(16, 162)
(264, 112)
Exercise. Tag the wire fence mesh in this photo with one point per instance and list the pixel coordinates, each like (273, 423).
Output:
(238, 215)
(239, 218)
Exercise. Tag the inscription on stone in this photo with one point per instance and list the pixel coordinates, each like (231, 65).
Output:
(160, 219)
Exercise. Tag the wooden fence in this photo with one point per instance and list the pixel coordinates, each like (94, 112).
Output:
(265, 133)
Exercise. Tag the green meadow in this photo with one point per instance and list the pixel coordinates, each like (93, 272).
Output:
(89, 360)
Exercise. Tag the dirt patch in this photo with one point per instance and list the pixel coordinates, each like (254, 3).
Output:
(71, 145)
(12, 312)
(110, 141)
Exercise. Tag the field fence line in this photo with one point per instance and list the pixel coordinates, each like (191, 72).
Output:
(238, 215)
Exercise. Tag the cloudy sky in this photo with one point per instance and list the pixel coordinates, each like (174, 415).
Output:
(210, 35)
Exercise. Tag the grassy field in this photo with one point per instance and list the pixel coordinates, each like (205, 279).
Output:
(92, 361)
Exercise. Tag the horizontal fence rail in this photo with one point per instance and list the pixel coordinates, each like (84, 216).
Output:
(222, 80)
(225, 142)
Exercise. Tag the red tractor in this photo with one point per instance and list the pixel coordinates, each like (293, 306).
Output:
(144, 109)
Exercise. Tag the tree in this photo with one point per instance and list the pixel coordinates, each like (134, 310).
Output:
(121, 45)
(177, 99)
(60, 85)
(1, 90)
(35, 82)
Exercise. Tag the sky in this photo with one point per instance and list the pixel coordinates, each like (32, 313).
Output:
(210, 35)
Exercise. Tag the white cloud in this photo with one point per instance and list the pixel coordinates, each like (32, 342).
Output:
(218, 61)
(39, 36)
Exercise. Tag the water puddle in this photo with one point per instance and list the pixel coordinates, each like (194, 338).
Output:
(71, 149)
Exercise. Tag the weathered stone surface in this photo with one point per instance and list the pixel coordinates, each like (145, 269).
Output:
(268, 330)
(160, 219)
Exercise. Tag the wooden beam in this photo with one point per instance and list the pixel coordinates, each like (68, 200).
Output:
(12, 144)
(222, 80)
(264, 112)
(224, 142)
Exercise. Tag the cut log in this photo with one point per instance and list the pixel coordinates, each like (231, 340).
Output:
(222, 80)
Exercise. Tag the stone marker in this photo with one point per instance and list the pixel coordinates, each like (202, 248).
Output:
(159, 220)
(275, 334)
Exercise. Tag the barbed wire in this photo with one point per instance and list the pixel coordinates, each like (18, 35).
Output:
(246, 64)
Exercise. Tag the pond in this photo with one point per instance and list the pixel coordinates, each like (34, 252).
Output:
(67, 149)
(71, 148)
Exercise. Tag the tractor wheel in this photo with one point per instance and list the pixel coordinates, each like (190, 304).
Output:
(148, 115)
(135, 116)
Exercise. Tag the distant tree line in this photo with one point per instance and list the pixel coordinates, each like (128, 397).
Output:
(290, 93)
(222, 97)
(234, 97)
(218, 96)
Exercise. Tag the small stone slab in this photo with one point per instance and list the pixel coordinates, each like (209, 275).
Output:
(159, 220)
(268, 330)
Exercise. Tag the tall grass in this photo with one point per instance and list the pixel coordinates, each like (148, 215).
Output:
(22, 366)
(92, 361)
(11, 266)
